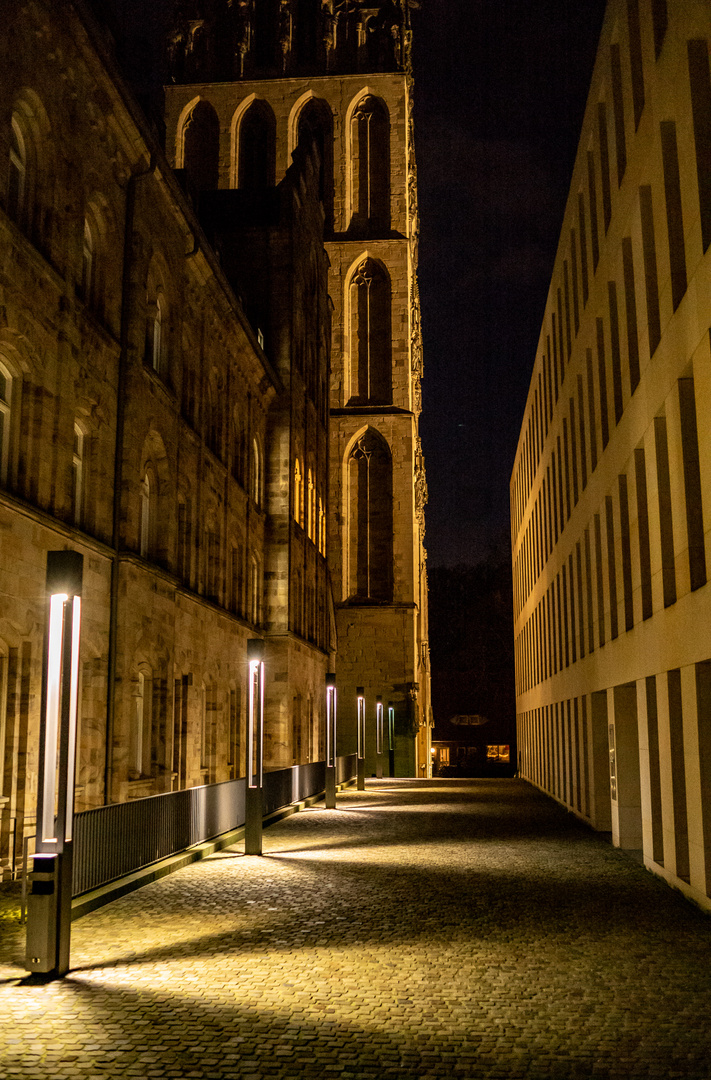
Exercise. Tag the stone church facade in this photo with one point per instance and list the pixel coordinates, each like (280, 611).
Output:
(252, 83)
(164, 410)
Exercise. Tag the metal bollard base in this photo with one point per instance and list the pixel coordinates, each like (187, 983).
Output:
(253, 821)
(379, 767)
(361, 774)
(391, 762)
(330, 799)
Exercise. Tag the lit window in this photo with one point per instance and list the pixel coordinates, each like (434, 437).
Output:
(311, 520)
(298, 493)
(77, 475)
(5, 414)
(18, 172)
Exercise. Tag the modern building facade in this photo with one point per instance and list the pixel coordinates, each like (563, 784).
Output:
(611, 488)
(252, 82)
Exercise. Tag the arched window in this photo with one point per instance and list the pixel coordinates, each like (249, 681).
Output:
(316, 127)
(370, 168)
(78, 475)
(255, 591)
(370, 335)
(157, 321)
(157, 334)
(311, 510)
(213, 418)
(184, 538)
(370, 519)
(257, 148)
(148, 497)
(298, 493)
(139, 748)
(87, 264)
(201, 147)
(5, 421)
(18, 173)
(321, 527)
(255, 485)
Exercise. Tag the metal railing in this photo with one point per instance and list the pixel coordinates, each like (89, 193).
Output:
(115, 840)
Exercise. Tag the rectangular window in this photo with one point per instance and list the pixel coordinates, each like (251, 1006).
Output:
(659, 23)
(581, 424)
(655, 778)
(574, 276)
(618, 109)
(571, 581)
(548, 509)
(550, 385)
(561, 506)
(631, 313)
(583, 247)
(592, 198)
(560, 338)
(581, 609)
(703, 716)
(589, 593)
(649, 250)
(559, 622)
(555, 500)
(675, 221)
(615, 351)
(645, 562)
(692, 484)
(591, 412)
(665, 511)
(555, 355)
(566, 634)
(602, 383)
(604, 164)
(611, 565)
(700, 82)
(600, 587)
(566, 298)
(573, 453)
(626, 552)
(566, 465)
(678, 774)
(545, 396)
(636, 65)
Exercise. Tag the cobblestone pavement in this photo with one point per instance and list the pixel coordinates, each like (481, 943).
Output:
(447, 928)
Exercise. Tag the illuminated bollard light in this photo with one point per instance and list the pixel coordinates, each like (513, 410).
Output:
(254, 803)
(330, 798)
(49, 908)
(360, 694)
(379, 737)
(391, 737)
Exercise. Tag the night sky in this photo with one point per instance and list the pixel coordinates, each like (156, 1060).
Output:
(500, 93)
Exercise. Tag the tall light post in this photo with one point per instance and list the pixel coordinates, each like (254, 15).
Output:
(360, 694)
(391, 738)
(330, 799)
(49, 908)
(254, 803)
(379, 737)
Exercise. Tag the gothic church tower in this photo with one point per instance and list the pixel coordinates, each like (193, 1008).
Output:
(252, 79)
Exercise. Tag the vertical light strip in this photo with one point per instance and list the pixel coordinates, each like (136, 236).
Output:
(54, 680)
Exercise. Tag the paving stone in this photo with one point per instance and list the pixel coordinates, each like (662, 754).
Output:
(425, 929)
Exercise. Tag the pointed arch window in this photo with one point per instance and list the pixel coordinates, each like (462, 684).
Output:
(139, 751)
(311, 511)
(148, 498)
(298, 493)
(255, 487)
(18, 172)
(370, 335)
(78, 475)
(87, 263)
(370, 519)
(201, 147)
(316, 129)
(370, 167)
(5, 421)
(257, 148)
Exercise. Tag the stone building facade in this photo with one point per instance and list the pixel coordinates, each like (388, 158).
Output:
(148, 419)
(252, 83)
(611, 488)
